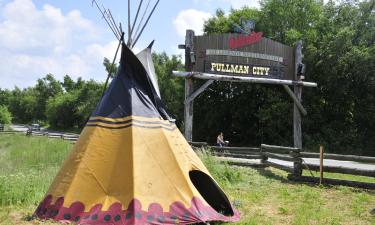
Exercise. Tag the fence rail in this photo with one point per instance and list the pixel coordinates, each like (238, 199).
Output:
(238, 155)
(69, 137)
(354, 158)
(11, 132)
(295, 155)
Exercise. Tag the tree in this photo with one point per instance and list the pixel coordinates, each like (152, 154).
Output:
(111, 69)
(61, 110)
(88, 97)
(339, 40)
(225, 24)
(171, 88)
(46, 88)
(5, 115)
(4, 96)
(23, 105)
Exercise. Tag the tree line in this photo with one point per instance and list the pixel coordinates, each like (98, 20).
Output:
(339, 53)
(68, 103)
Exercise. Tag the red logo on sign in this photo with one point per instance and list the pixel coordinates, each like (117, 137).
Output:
(242, 40)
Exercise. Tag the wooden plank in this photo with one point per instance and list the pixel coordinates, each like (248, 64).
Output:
(354, 158)
(220, 77)
(297, 121)
(278, 149)
(282, 157)
(198, 91)
(189, 88)
(56, 137)
(296, 100)
(198, 144)
(70, 139)
(239, 156)
(12, 132)
(243, 152)
(344, 170)
(71, 135)
(236, 149)
(37, 133)
(243, 163)
(330, 181)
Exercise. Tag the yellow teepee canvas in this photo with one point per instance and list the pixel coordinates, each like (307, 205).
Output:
(131, 164)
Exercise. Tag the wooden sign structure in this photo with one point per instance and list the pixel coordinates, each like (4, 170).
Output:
(242, 58)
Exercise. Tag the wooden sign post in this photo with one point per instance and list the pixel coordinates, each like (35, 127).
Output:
(297, 128)
(189, 87)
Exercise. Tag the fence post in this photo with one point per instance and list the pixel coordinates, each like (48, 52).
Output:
(297, 166)
(263, 155)
(321, 165)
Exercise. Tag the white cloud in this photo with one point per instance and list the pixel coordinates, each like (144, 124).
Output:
(190, 19)
(26, 28)
(35, 42)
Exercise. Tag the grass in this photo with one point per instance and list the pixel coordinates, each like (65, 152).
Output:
(263, 196)
(266, 196)
(27, 167)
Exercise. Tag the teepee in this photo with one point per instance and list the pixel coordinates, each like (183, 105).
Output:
(145, 57)
(131, 165)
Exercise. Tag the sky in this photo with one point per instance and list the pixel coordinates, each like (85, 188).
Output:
(62, 37)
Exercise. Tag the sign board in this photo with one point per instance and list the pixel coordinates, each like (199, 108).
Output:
(243, 55)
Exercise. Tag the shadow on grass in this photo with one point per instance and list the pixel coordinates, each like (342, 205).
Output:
(266, 172)
(269, 174)
(29, 218)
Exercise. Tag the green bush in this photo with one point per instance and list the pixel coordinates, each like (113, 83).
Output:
(5, 115)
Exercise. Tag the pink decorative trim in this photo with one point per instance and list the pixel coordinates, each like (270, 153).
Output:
(133, 215)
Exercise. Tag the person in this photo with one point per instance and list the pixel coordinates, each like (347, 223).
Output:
(220, 140)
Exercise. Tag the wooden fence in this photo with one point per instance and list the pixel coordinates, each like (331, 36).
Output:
(296, 157)
(259, 157)
(69, 137)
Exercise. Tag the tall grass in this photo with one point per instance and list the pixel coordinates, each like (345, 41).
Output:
(27, 167)
(220, 170)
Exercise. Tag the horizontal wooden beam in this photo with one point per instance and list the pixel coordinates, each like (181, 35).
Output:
(344, 170)
(278, 149)
(280, 167)
(220, 77)
(198, 144)
(242, 163)
(240, 152)
(330, 181)
(244, 150)
(198, 91)
(354, 158)
(295, 99)
(239, 156)
(282, 157)
(12, 132)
